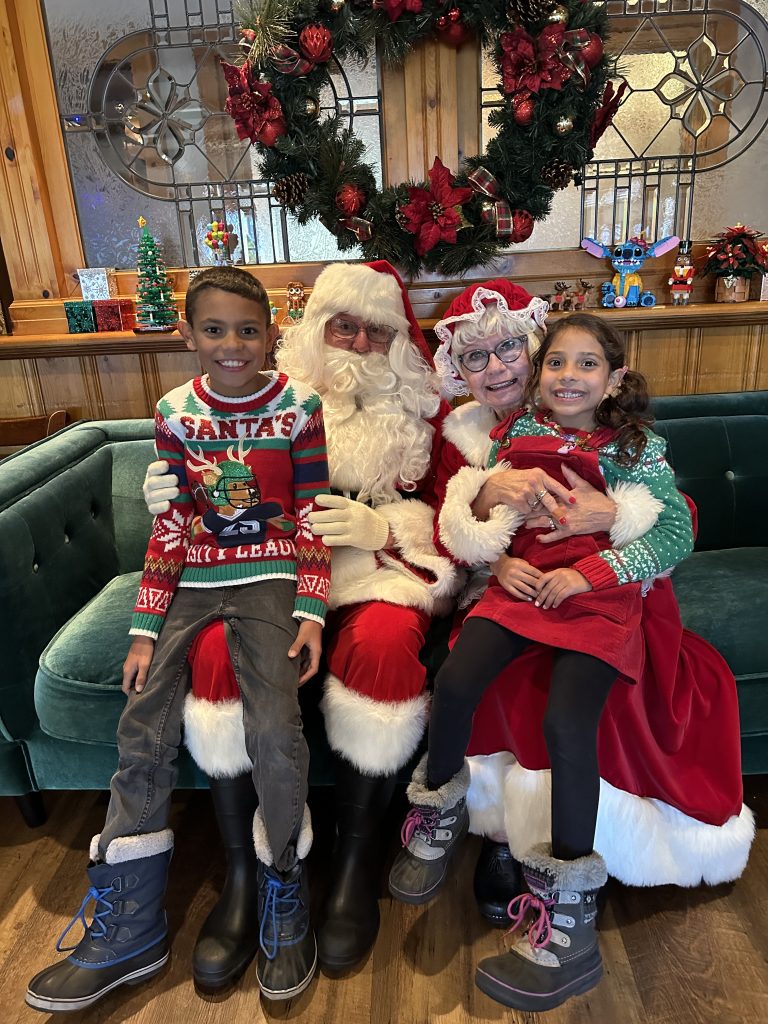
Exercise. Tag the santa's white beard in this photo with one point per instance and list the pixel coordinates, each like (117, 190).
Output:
(373, 443)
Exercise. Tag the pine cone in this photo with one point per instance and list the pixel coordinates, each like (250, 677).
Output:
(556, 174)
(528, 12)
(290, 190)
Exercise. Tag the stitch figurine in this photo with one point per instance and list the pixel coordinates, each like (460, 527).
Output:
(626, 287)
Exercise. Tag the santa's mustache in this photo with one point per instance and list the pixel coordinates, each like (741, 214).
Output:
(354, 375)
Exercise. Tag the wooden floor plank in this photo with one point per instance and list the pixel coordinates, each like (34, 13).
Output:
(672, 956)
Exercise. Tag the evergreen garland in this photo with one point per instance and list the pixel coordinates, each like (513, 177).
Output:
(552, 76)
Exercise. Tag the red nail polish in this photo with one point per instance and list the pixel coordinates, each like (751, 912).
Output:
(572, 500)
(563, 521)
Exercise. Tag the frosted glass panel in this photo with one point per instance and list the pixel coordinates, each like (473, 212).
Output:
(142, 98)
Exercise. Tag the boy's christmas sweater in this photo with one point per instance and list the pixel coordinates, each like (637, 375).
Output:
(665, 544)
(249, 470)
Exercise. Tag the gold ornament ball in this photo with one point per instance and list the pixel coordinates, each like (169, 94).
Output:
(558, 15)
(563, 125)
(487, 207)
(312, 107)
(336, 5)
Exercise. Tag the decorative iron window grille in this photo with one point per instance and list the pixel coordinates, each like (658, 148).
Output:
(152, 113)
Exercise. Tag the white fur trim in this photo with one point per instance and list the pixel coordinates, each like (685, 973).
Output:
(468, 428)
(636, 512)
(444, 797)
(261, 842)
(377, 737)
(413, 525)
(358, 575)
(214, 735)
(643, 841)
(125, 848)
(485, 798)
(361, 291)
(467, 538)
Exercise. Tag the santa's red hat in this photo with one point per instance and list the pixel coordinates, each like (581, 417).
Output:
(525, 314)
(372, 291)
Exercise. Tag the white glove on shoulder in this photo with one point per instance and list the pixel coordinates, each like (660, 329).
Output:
(349, 523)
(160, 487)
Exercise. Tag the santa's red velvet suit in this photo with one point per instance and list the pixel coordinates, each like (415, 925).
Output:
(671, 806)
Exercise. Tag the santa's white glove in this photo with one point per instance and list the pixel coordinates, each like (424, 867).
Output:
(160, 487)
(349, 523)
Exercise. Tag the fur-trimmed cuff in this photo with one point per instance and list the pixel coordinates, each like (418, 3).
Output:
(412, 526)
(636, 512)
(378, 737)
(467, 538)
(261, 842)
(214, 735)
(584, 874)
(125, 848)
(485, 797)
(447, 796)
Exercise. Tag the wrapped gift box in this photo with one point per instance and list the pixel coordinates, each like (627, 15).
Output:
(107, 313)
(97, 282)
(80, 317)
(127, 314)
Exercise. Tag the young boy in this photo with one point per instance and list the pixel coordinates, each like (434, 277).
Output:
(248, 447)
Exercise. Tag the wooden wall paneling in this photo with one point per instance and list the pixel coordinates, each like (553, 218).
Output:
(468, 100)
(692, 361)
(23, 222)
(395, 164)
(175, 368)
(39, 91)
(761, 367)
(124, 388)
(752, 357)
(660, 357)
(68, 383)
(20, 393)
(722, 364)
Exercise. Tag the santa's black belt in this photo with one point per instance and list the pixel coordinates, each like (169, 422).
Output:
(348, 494)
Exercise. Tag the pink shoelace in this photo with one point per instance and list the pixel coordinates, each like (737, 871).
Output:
(540, 931)
(425, 819)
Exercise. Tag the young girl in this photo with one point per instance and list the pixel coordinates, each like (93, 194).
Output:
(582, 597)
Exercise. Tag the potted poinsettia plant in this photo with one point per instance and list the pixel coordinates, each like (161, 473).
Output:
(734, 257)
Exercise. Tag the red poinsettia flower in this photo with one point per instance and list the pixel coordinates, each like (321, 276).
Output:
(434, 214)
(533, 64)
(395, 8)
(257, 114)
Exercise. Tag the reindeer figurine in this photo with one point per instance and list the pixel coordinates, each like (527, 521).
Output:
(626, 288)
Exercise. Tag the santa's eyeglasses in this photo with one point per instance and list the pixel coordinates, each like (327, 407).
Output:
(346, 328)
(508, 351)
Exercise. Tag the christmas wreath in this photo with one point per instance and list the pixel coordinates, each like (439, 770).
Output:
(558, 100)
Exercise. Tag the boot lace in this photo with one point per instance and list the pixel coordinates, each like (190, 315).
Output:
(282, 899)
(97, 927)
(421, 821)
(540, 931)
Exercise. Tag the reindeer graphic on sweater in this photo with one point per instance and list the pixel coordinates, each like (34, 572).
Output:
(236, 513)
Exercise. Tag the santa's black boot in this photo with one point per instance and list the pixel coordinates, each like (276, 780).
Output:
(127, 940)
(229, 938)
(498, 880)
(287, 955)
(558, 955)
(351, 912)
(435, 825)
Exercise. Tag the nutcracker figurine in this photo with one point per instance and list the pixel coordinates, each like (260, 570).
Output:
(681, 281)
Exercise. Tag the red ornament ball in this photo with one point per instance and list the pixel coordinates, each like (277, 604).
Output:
(442, 22)
(592, 53)
(522, 108)
(316, 43)
(522, 225)
(454, 14)
(350, 200)
(454, 34)
(271, 132)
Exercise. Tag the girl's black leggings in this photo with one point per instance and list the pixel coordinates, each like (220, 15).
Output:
(578, 691)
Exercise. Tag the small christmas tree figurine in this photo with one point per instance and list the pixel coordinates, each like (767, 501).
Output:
(155, 308)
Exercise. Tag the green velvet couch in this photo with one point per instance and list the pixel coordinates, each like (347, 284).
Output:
(73, 530)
